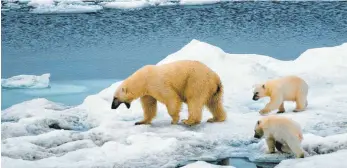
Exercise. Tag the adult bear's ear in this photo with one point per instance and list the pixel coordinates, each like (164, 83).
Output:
(124, 89)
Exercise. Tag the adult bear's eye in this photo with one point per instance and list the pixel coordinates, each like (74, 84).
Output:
(256, 93)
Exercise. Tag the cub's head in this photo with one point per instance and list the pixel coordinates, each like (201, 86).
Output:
(259, 91)
(258, 130)
(122, 95)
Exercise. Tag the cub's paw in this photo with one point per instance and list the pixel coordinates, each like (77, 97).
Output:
(174, 122)
(263, 111)
(298, 110)
(280, 111)
(269, 152)
(301, 155)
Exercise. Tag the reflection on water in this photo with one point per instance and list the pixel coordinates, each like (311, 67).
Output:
(244, 163)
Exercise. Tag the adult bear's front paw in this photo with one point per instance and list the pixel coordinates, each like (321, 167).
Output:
(190, 122)
(142, 122)
(211, 120)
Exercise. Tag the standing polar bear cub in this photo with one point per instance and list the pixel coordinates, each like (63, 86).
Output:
(281, 133)
(289, 88)
(172, 84)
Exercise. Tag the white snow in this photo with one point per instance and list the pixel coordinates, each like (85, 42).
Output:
(333, 160)
(79, 6)
(36, 3)
(126, 4)
(136, 4)
(98, 136)
(64, 7)
(26, 81)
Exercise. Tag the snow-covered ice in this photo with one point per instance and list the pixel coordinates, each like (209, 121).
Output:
(26, 81)
(334, 160)
(64, 7)
(36, 3)
(93, 135)
(126, 4)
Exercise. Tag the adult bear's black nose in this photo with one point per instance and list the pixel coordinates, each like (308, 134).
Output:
(115, 103)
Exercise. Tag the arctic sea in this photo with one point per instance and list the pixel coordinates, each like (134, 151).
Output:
(87, 52)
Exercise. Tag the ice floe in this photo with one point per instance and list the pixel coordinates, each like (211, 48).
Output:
(40, 133)
(26, 81)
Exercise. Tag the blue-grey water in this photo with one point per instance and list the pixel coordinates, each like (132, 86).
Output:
(238, 163)
(111, 44)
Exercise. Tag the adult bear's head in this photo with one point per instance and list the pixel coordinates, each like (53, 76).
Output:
(121, 96)
(258, 130)
(131, 88)
(259, 91)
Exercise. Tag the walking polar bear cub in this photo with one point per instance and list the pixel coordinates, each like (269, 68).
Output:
(289, 88)
(172, 84)
(281, 133)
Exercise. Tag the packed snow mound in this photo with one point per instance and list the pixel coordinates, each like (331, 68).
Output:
(202, 164)
(26, 81)
(334, 160)
(92, 135)
(39, 116)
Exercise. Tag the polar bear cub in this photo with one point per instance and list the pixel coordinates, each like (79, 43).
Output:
(281, 133)
(289, 88)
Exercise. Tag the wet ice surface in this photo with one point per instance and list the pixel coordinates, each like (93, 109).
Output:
(70, 92)
(94, 135)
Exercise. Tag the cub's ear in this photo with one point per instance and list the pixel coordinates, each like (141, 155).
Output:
(124, 89)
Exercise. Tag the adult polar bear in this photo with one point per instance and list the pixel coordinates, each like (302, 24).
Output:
(289, 88)
(172, 84)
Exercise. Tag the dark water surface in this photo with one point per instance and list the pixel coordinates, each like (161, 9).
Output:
(240, 163)
(111, 44)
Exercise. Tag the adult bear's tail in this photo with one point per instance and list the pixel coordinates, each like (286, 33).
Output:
(219, 89)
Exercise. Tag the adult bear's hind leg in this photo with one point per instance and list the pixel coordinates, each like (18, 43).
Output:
(281, 108)
(301, 103)
(215, 106)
